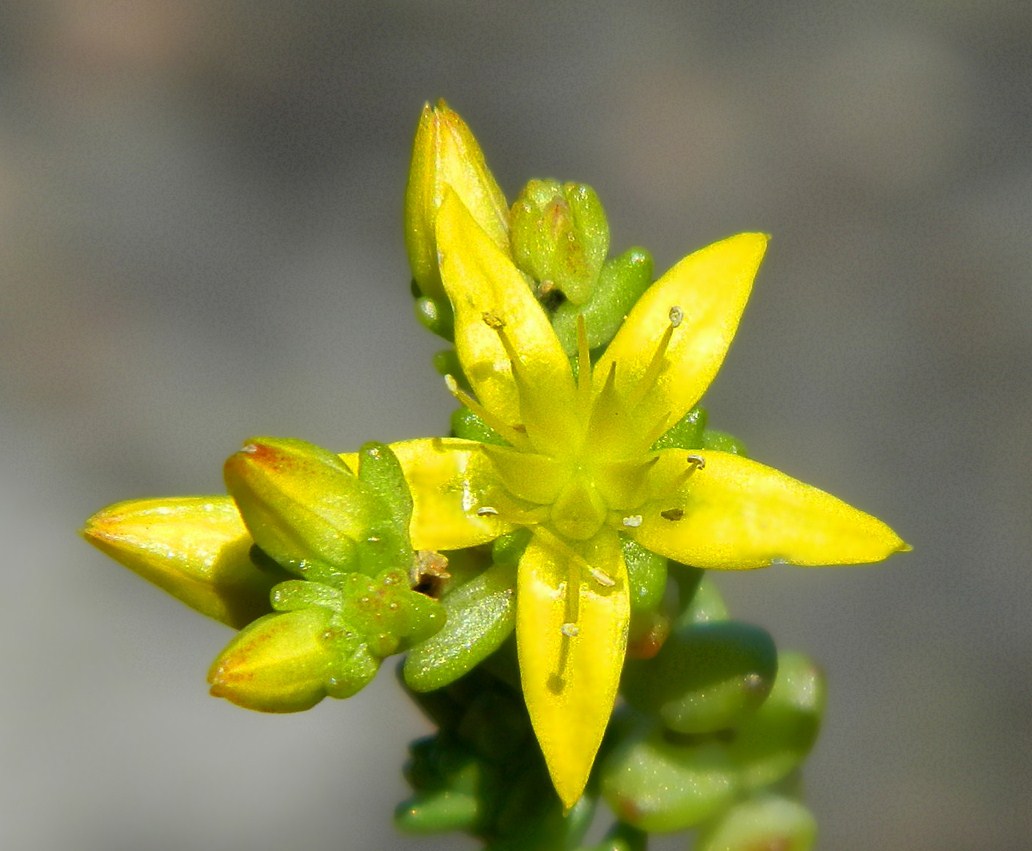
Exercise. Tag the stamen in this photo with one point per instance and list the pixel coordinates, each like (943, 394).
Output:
(672, 514)
(648, 378)
(570, 630)
(695, 463)
(602, 578)
(633, 522)
(487, 511)
(510, 433)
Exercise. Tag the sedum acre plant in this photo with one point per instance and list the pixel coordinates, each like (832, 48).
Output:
(544, 567)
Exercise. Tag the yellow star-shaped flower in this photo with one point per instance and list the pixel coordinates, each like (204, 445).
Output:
(579, 470)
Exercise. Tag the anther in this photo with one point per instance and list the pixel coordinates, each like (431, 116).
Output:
(493, 320)
(633, 522)
(672, 514)
(603, 579)
(697, 461)
(676, 315)
(487, 511)
(570, 630)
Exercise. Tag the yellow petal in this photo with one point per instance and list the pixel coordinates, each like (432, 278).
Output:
(485, 287)
(710, 288)
(570, 680)
(735, 513)
(450, 479)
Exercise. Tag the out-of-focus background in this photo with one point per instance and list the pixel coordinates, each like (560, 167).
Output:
(200, 214)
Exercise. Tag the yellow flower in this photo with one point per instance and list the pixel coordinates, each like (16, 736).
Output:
(579, 470)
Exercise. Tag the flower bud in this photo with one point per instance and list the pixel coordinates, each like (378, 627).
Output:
(280, 663)
(302, 504)
(659, 785)
(767, 821)
(777, 738)
(195, 548)
(446, 154)
(560, 236)
(707, 677)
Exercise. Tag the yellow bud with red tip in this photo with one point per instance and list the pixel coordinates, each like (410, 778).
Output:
(446, 155)
(196, 548)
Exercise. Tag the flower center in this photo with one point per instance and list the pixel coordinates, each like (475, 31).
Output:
(579, 462)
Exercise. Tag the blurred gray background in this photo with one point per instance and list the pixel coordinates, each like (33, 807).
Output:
(200, 213)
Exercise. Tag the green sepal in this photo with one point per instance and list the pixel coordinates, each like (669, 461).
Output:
(386, 544)
(766, 821)
(721, 441)
(777, 738)
(480, 616)
(658, 785)
(508, 549)
(469, 426)
(707, 677)
(302, 505)
(436, 315)
(296, 594)
(646, 576)
(620, 283)
(686, 433)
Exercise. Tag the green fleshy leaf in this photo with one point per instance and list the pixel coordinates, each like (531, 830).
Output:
(481, 614)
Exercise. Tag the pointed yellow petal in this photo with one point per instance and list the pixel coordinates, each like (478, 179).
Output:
(450, 480)
(485, 287)
(709, 288)
(571, 631)
(735, 513)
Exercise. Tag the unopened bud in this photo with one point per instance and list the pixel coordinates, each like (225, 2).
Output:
(560, 236)
(195, 548)
(302, 504)
(446, 154)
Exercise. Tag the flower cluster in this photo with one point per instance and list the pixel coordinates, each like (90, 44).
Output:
(578, 469)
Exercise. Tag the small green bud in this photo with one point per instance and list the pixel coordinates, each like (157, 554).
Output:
(301, 503)
(655, 784)
(686, 433)
(196, 548)
(560, 236)
(436, 315)
(777, 738)
(280, 663)
(767, 821)
(706, 677)
(480, 616)
(620, 283)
